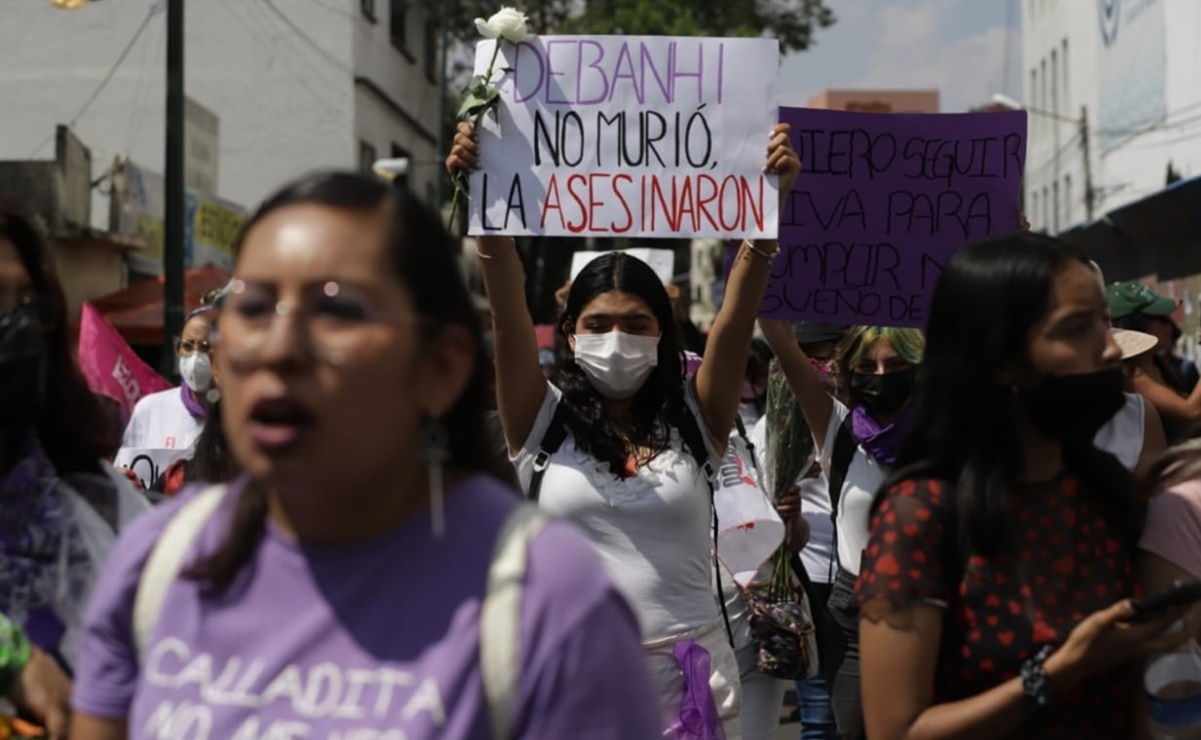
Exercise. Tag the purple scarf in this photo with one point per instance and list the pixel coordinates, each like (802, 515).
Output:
(881, 443)
(698, 718)
(190, 402)
(37, 539)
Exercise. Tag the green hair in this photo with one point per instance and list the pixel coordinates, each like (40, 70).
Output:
(909, 344)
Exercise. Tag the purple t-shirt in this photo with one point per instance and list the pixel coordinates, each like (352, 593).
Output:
(373, 641)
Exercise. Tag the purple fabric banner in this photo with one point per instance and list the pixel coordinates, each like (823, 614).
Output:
(883, 201)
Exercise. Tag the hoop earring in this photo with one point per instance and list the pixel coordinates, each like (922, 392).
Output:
(435, 448)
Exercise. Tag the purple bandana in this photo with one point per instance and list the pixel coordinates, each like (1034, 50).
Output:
(698, 713)
(193, 404)
(881, 443)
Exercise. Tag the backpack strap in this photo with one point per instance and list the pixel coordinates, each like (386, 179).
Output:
(750, 446)
(500, 617)
(166, 560)
(552, 440)
(694, 443)
(840, 463)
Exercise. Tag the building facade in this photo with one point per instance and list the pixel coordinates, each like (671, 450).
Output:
(1114, 93)
(877, 101)
(297, 85)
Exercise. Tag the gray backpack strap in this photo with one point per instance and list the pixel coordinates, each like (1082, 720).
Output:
(167, 559)
(500, 617)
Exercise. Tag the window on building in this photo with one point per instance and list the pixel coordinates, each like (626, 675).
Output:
(1046, 209)
(1034, 214)
(1054, 80)
(367, 157)
(368, 9)
(429, 49)
(1063, 89)
(1042, 84)
(1068, 221)
(398, 23)
(1055, 207)
(399, 152)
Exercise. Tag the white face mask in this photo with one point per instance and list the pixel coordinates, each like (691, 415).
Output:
(617, 363)
(197, 371)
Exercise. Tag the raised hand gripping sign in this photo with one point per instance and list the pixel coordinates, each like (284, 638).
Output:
(883, 202)
(629, 136)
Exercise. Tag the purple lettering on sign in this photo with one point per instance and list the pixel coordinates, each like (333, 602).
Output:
(577, 72)
(883, 202)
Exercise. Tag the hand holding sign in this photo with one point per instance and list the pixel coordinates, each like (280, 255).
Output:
(885, 201)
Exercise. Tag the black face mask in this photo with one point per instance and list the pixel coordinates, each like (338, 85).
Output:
(22, 369)
(885, 394)
(1073, 408)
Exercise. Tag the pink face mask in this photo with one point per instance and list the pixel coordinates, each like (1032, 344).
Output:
(825, 373)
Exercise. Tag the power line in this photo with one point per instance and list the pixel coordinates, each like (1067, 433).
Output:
(299, 76)
(135, 117)
(306, 37)
(104, 82)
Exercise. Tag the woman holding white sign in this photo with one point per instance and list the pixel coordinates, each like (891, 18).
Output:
(623, 444)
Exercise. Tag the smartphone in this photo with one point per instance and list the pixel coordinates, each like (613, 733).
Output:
(1182, 593)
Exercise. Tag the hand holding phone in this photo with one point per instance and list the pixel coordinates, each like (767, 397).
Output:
(1181, 594)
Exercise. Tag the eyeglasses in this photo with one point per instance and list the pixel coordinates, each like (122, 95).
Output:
(188, 347)
(331, 319)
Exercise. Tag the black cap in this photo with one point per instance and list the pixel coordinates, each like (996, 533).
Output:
(809, 332)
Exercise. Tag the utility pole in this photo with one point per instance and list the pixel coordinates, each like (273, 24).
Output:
(1089, 195)
(174, 205)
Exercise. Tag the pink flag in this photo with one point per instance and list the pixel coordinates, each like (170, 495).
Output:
(110, 365)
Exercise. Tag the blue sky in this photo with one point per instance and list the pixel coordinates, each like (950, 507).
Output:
(957, 46)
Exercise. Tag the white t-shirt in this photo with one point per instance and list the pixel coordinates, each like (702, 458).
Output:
(652, 531)
(161, 422)
(818, 554)
(864, 478)
(1122, 436)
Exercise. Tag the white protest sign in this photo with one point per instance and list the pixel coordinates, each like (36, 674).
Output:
(662, 261)
(149, 464)
(636, 136)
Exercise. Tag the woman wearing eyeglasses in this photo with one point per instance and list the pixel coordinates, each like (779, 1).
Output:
(173, 419)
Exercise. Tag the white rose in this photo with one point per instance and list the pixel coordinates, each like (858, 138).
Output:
(508, 24)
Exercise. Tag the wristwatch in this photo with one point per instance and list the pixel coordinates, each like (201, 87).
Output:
(1034, 678)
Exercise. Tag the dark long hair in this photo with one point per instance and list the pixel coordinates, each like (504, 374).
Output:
(659, 404)
(73, 428)
(421, 255)
(985, 305)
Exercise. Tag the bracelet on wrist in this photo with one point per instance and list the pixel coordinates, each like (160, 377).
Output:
(769, 256)
(1035, 683)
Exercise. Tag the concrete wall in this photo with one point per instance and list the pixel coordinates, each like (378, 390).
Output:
(287, 102)
(882, 101)
(1126, 165)
(88, 271)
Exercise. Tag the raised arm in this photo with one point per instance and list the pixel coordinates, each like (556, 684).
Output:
(520, 385)
(1167, 401)
(719, 379)
(816, 404)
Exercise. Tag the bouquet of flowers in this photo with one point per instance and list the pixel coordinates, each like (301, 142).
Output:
(781, 622)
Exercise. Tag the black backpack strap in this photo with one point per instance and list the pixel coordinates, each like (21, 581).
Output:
(694, 441)
(552, 440)
(840, 463)
(750, 446)
(841, 458)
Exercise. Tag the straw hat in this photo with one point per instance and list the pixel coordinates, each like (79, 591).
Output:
(1133, 343)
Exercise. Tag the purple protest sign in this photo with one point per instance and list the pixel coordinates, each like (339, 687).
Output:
(883, 201)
